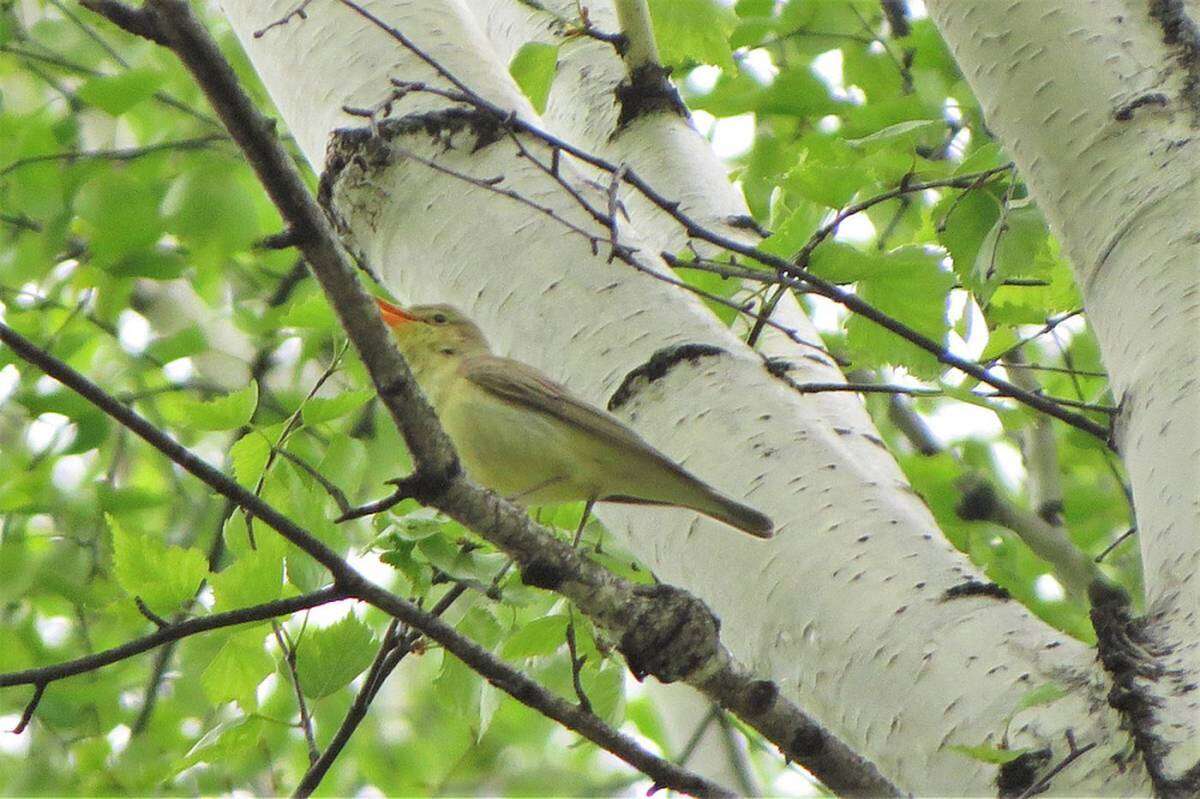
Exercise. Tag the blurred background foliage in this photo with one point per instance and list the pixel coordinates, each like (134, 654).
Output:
(129, 231)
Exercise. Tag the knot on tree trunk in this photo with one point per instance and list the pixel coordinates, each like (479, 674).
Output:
(660, 363)
(648, 91)
(670, 636)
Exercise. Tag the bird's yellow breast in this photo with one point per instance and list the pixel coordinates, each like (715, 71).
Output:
(523, 455)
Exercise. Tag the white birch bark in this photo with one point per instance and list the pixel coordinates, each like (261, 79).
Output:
(845, 609)
(1102, 114)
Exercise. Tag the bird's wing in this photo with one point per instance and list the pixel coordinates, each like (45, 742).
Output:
(525, 386)
(514, 382)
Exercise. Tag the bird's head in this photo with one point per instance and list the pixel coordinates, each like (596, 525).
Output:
(428, 334)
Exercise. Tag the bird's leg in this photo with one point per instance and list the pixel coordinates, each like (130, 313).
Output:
(587, 512)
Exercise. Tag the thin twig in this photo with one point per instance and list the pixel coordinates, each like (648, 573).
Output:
(1043, 783)
(1108, 549)
(576, 664)
(371, 508)
(1051, 323)
(90, 33)
(335, 493)
(118, 153)
(43, 675)
(923, 391)
(289, 659)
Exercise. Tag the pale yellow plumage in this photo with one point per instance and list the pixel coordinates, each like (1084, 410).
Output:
(527, 438)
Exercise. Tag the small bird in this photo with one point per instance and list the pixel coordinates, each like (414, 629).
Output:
(529, 439)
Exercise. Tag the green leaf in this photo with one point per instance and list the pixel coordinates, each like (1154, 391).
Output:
(327, 659)
(240, 665)
(987, 753)
(965, 220)
(843, 263)
(1016, 305)
(117, 213)
(123, 500)
(907, 133)
(539, 637)
(1010, 249)
(223, 413)
(257, 574)
(533, 68)
(317, 409)
(116, 94)
(910, 285)
(163, 576)
(605, 689)
(999, 340)
(211, 212)
(794, 229)
(490, 698)
(828, 184)
(249, 455)
(1046, 694)
(988, 156)
(225, 740)
(150, 262)
(457, 689)
(311, 312)
(797, 93)
(446, 556)
(189, 341)
(418, 525)
(693, 31)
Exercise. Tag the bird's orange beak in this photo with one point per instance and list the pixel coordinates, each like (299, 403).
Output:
(394, 315)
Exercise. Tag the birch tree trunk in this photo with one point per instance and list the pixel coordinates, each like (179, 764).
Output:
(1099, 104)
(848, 608)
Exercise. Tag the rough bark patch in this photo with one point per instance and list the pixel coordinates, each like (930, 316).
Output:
(1181, 33)
(1130, 656)
(1017, 776)
(976, 588)
(648, 91)
(367, 146)
(671, 637)
(657, 367)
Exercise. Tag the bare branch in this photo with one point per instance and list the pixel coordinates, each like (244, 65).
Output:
(117, 154)
(43, 675)
(288, 649)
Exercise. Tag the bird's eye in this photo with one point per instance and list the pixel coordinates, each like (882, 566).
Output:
(439, 319)
(447, 351)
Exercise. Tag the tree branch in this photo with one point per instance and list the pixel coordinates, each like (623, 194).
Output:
(43, 675)
(117, 154)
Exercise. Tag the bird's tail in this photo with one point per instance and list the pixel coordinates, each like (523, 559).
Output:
(712, 503)
(735, 514)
